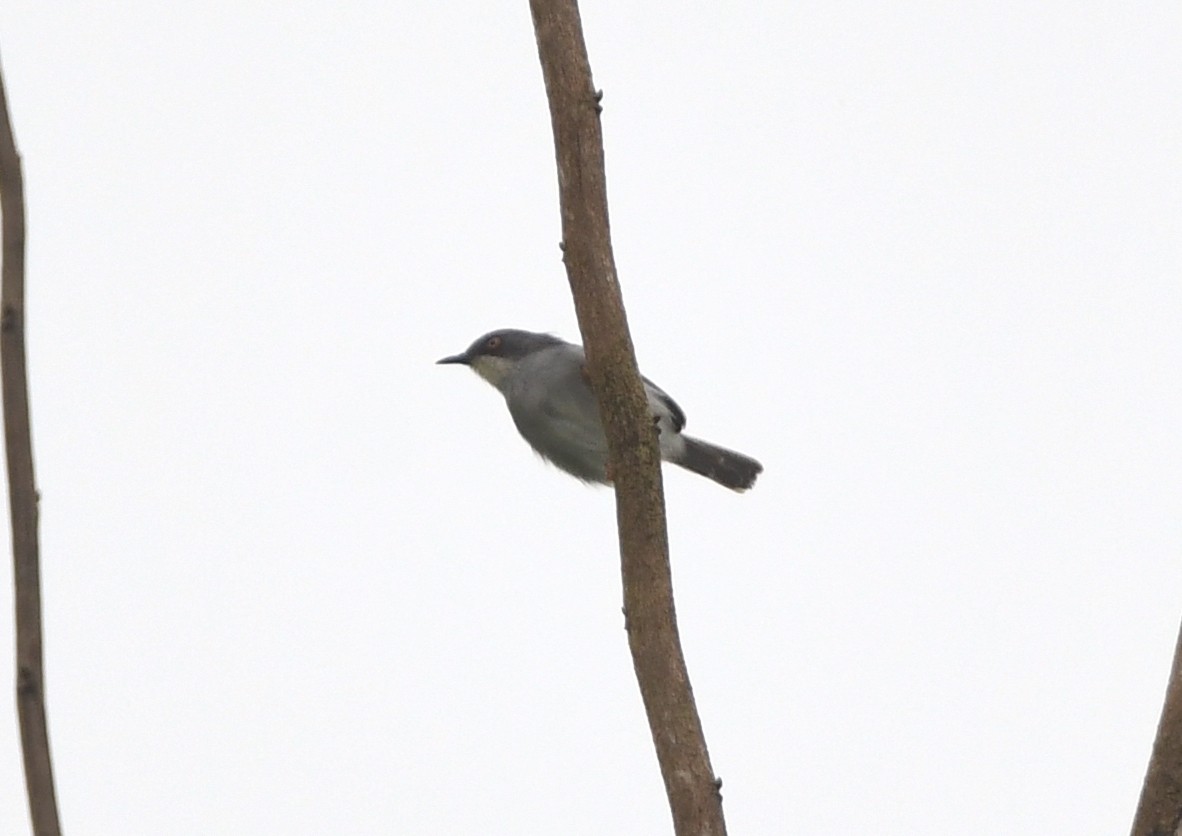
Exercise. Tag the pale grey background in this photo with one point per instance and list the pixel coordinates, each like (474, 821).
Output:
(922, 260)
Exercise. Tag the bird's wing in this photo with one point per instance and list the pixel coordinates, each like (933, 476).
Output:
(658, 398)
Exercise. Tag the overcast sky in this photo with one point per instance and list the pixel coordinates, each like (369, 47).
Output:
(921, 259)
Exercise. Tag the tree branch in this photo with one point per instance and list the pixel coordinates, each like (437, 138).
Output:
(22, 490)
(1160, 811)
(650, 619)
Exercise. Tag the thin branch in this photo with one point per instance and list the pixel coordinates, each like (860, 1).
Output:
(650, 620)
(22, 490)
(1160, 811)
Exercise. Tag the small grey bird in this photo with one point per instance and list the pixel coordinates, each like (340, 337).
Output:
(545, 386)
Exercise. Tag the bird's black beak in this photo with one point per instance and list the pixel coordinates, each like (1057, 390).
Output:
(461, 359)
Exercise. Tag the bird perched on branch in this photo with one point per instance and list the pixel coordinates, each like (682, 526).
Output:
(545, 386)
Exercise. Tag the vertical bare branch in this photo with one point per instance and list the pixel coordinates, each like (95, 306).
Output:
(1160, 810)
(22, 491)
(635, 461)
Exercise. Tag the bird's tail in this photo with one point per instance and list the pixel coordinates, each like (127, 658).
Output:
(726, 467)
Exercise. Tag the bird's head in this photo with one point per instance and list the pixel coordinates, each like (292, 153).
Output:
(495, 354)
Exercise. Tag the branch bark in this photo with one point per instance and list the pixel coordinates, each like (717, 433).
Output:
(22, 490)
(1159, 812)
(650, 619)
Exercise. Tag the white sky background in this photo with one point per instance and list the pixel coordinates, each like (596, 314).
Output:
(923, 261)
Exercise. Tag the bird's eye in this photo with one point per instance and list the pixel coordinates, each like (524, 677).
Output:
(493, 343)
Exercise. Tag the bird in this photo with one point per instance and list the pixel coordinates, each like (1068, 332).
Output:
(544, 381)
